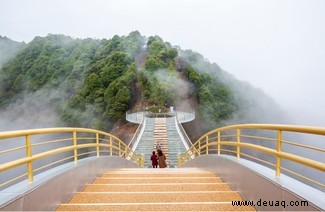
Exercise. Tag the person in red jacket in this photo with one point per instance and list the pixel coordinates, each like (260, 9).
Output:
(154, 160)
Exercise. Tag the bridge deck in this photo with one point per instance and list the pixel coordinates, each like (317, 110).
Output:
(186, 189)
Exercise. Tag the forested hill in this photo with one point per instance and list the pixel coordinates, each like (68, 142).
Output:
(8, 49)
(92, 83)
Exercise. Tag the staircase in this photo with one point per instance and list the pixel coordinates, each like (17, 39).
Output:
(145, 144)
(162, 130)
(175, 144)
(167, 189)
(160, 135)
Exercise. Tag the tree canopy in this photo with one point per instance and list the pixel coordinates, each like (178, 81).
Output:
(96, 81)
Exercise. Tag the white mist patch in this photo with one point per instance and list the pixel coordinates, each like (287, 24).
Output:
(31, 111)
(173, 84)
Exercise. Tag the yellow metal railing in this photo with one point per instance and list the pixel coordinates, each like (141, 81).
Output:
(26, 147)
(236, 140)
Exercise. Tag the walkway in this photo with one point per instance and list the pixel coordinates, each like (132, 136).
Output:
(160, 136)
(185, 189)
(165, 131)
(182, 116)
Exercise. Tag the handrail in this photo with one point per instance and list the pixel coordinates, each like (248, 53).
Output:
(184, 115)
(136, 134)
(133, 112)
(78, 141)
(182, 131)
(214, 142)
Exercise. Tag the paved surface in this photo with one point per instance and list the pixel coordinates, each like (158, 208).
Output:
(184, 189)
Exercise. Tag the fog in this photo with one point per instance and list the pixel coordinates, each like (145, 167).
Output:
(31, 111)
(277, 46)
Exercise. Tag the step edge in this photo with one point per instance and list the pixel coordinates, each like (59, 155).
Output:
(151, 184)
(147, 203)
(154, 192)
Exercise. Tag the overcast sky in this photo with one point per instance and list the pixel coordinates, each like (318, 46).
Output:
(276, 45)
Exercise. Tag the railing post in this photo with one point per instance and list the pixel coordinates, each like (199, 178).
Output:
(119, 149)
(75, 152)
(206, 145)
(142, 160)
(97, 144)
(111, 146)
(199, 147)
(238, 142)
(219, 142)
(131, 155)
(124, 153)
(179, 159)
(29, 154)
(278, 149)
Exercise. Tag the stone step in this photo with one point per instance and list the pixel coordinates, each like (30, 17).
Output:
(155, 197)
(163, 148)
(179, 206)
(162, 180)
(157, 187)
(155, 174)
(155, 190)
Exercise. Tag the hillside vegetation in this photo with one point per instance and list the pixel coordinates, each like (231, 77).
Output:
(92, 83)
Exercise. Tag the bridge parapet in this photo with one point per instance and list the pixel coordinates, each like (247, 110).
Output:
(258, 184)
(37, 150)
(268, 144)
(185, 116)
(137, 116)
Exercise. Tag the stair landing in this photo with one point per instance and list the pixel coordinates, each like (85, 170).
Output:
(178, 189)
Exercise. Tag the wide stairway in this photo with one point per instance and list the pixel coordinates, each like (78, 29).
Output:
(175, 144)
(145, 146)
(160, 136)
(184, 189)
(162, 130)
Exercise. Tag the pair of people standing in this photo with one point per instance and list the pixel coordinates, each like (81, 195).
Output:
(159, 159)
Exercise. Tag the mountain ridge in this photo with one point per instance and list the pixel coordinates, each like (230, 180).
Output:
(92, 83)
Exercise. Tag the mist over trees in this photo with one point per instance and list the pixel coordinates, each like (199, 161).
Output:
(92, 83)
(8, 49)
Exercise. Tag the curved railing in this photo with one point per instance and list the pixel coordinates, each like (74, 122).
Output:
(135, 115)
(137, 134)
(264, 144)
(56, 146)
(187, 140)
(184, 117)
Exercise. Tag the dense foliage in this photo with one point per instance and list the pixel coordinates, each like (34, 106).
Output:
(92, 83)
